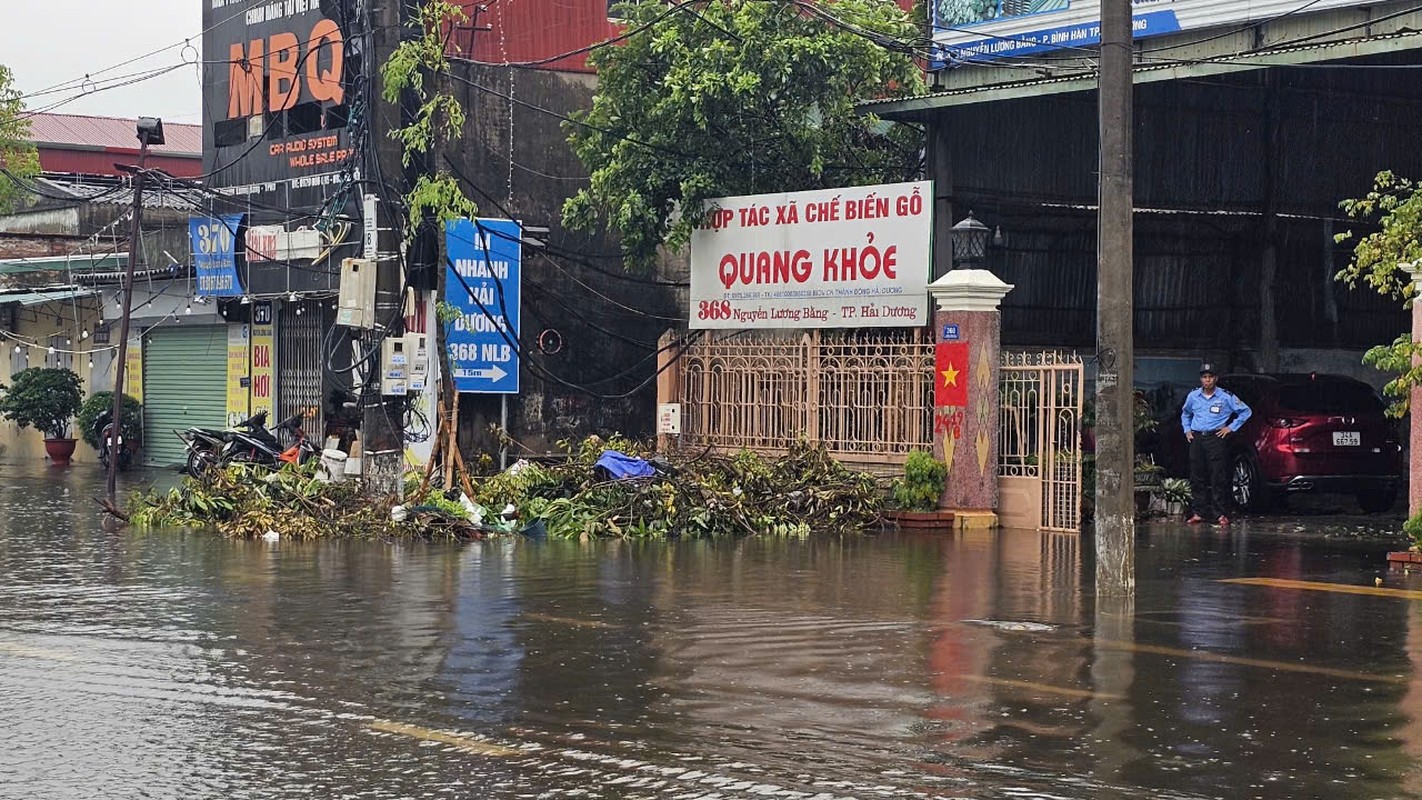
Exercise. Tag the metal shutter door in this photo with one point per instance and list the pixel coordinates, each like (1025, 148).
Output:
(184, 384)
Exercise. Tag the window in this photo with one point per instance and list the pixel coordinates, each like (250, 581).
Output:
(56, 357)
(1330, 397)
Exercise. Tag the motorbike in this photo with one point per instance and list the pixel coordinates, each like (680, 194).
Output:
(247, 442)
(110, 440)
(250, 442)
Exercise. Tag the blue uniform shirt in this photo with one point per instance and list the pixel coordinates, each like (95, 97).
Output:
(1203, 414)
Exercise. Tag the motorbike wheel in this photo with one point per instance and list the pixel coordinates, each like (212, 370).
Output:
(201, 463)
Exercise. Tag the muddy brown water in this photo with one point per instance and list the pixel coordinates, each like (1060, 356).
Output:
(179, 665)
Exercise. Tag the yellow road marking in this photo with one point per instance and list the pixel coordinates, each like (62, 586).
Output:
(465, 743)
(1314, 586)
(1281, 666)
(1041, 687)
(581, 623)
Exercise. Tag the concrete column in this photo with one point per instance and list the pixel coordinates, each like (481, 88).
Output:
(967, 329)
(1414, 437)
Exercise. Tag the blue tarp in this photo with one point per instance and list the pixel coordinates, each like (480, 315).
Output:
(620, 466)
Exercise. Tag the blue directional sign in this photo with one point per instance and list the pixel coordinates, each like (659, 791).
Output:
(484, 282)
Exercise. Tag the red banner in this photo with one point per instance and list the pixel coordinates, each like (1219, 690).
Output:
(950, 385)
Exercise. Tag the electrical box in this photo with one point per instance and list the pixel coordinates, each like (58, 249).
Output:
(394, 366)
(356, 307)
(417, 350)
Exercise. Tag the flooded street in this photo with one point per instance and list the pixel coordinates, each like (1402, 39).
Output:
(166, 665)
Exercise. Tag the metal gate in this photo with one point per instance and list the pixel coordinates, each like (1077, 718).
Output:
(867, 395)
(1040, 460)
(300, 328)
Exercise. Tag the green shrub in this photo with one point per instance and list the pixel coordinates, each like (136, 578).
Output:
(922, 484)
(44, 397)
(97, 404)
(1413, 527)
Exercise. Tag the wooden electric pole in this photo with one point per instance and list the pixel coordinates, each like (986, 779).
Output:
(1115, 311)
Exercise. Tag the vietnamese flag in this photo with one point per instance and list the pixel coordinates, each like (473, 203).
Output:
(950, 375)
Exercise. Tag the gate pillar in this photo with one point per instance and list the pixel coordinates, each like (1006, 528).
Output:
(1414, 437)
(967, 331)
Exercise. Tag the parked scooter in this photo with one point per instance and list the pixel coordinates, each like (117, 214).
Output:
(204, 446)
(110, 440)
(252, 443)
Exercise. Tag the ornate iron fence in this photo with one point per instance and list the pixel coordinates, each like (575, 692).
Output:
(867, 395)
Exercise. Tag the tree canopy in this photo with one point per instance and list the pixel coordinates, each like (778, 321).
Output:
(17, 152)
(1382, 260)
(708, 99)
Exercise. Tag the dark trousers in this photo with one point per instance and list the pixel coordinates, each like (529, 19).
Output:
(1209, 476)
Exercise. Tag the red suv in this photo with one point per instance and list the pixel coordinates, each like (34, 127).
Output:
(1309, 432)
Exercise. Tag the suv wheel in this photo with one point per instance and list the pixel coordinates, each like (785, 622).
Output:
(1377, 498)
(1246, 487)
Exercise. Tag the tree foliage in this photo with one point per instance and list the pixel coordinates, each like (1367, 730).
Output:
(1381, 258)
(419, 65)
(1381, 261)
(18, 156)
(711, 99)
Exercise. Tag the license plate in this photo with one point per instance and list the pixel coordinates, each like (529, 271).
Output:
(1347, 439)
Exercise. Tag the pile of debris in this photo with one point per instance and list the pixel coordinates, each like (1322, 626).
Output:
(612, 488)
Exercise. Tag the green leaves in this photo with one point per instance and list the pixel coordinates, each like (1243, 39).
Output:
(419, 65)
(1380, 259)
(737, 97)
(18, 156)
(44, 397)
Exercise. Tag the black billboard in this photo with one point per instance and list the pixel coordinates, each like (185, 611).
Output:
(277, 127)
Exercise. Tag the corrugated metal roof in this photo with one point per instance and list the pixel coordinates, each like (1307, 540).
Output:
(118, 133)
(51, 295)
(122, 195)
(78, 262)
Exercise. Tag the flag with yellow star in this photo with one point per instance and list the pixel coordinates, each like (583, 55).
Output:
(950, 385)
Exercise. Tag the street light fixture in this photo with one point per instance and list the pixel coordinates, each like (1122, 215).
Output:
(970, 242)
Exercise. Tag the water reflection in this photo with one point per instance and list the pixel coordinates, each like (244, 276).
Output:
(977, 665)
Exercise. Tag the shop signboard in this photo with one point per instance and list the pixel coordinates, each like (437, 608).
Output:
(831, 258)
(483, 283)
(983, 30)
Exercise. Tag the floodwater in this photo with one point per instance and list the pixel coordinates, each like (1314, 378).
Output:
(178, 665)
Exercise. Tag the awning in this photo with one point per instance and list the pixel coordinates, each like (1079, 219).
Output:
(42, 296)
(75, 263)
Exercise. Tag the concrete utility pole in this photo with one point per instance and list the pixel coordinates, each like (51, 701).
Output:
(382, 424)
(150, 131)
(1115, 311)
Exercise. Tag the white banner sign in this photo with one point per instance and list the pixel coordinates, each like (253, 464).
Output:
(988, 29)
(830, 258)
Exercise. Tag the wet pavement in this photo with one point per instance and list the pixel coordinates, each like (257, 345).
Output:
(162, 665)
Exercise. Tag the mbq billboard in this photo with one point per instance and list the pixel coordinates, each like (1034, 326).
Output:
(829, 258)
(986, 29)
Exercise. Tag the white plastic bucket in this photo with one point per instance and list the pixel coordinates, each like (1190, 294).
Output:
(333, 466)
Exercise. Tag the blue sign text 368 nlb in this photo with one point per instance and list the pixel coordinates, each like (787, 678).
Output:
(483, 282)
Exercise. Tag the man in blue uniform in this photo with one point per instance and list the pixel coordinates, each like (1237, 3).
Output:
(1210, 416)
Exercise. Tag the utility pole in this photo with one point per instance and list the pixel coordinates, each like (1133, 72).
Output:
(1115, 312)
(382, 423)
(150, 131)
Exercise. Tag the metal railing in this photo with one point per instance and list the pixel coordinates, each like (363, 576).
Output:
(867, 395)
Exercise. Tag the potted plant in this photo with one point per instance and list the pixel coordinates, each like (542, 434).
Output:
(47, 398)
(100, 403)
(1176, 494)
(917, 493)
